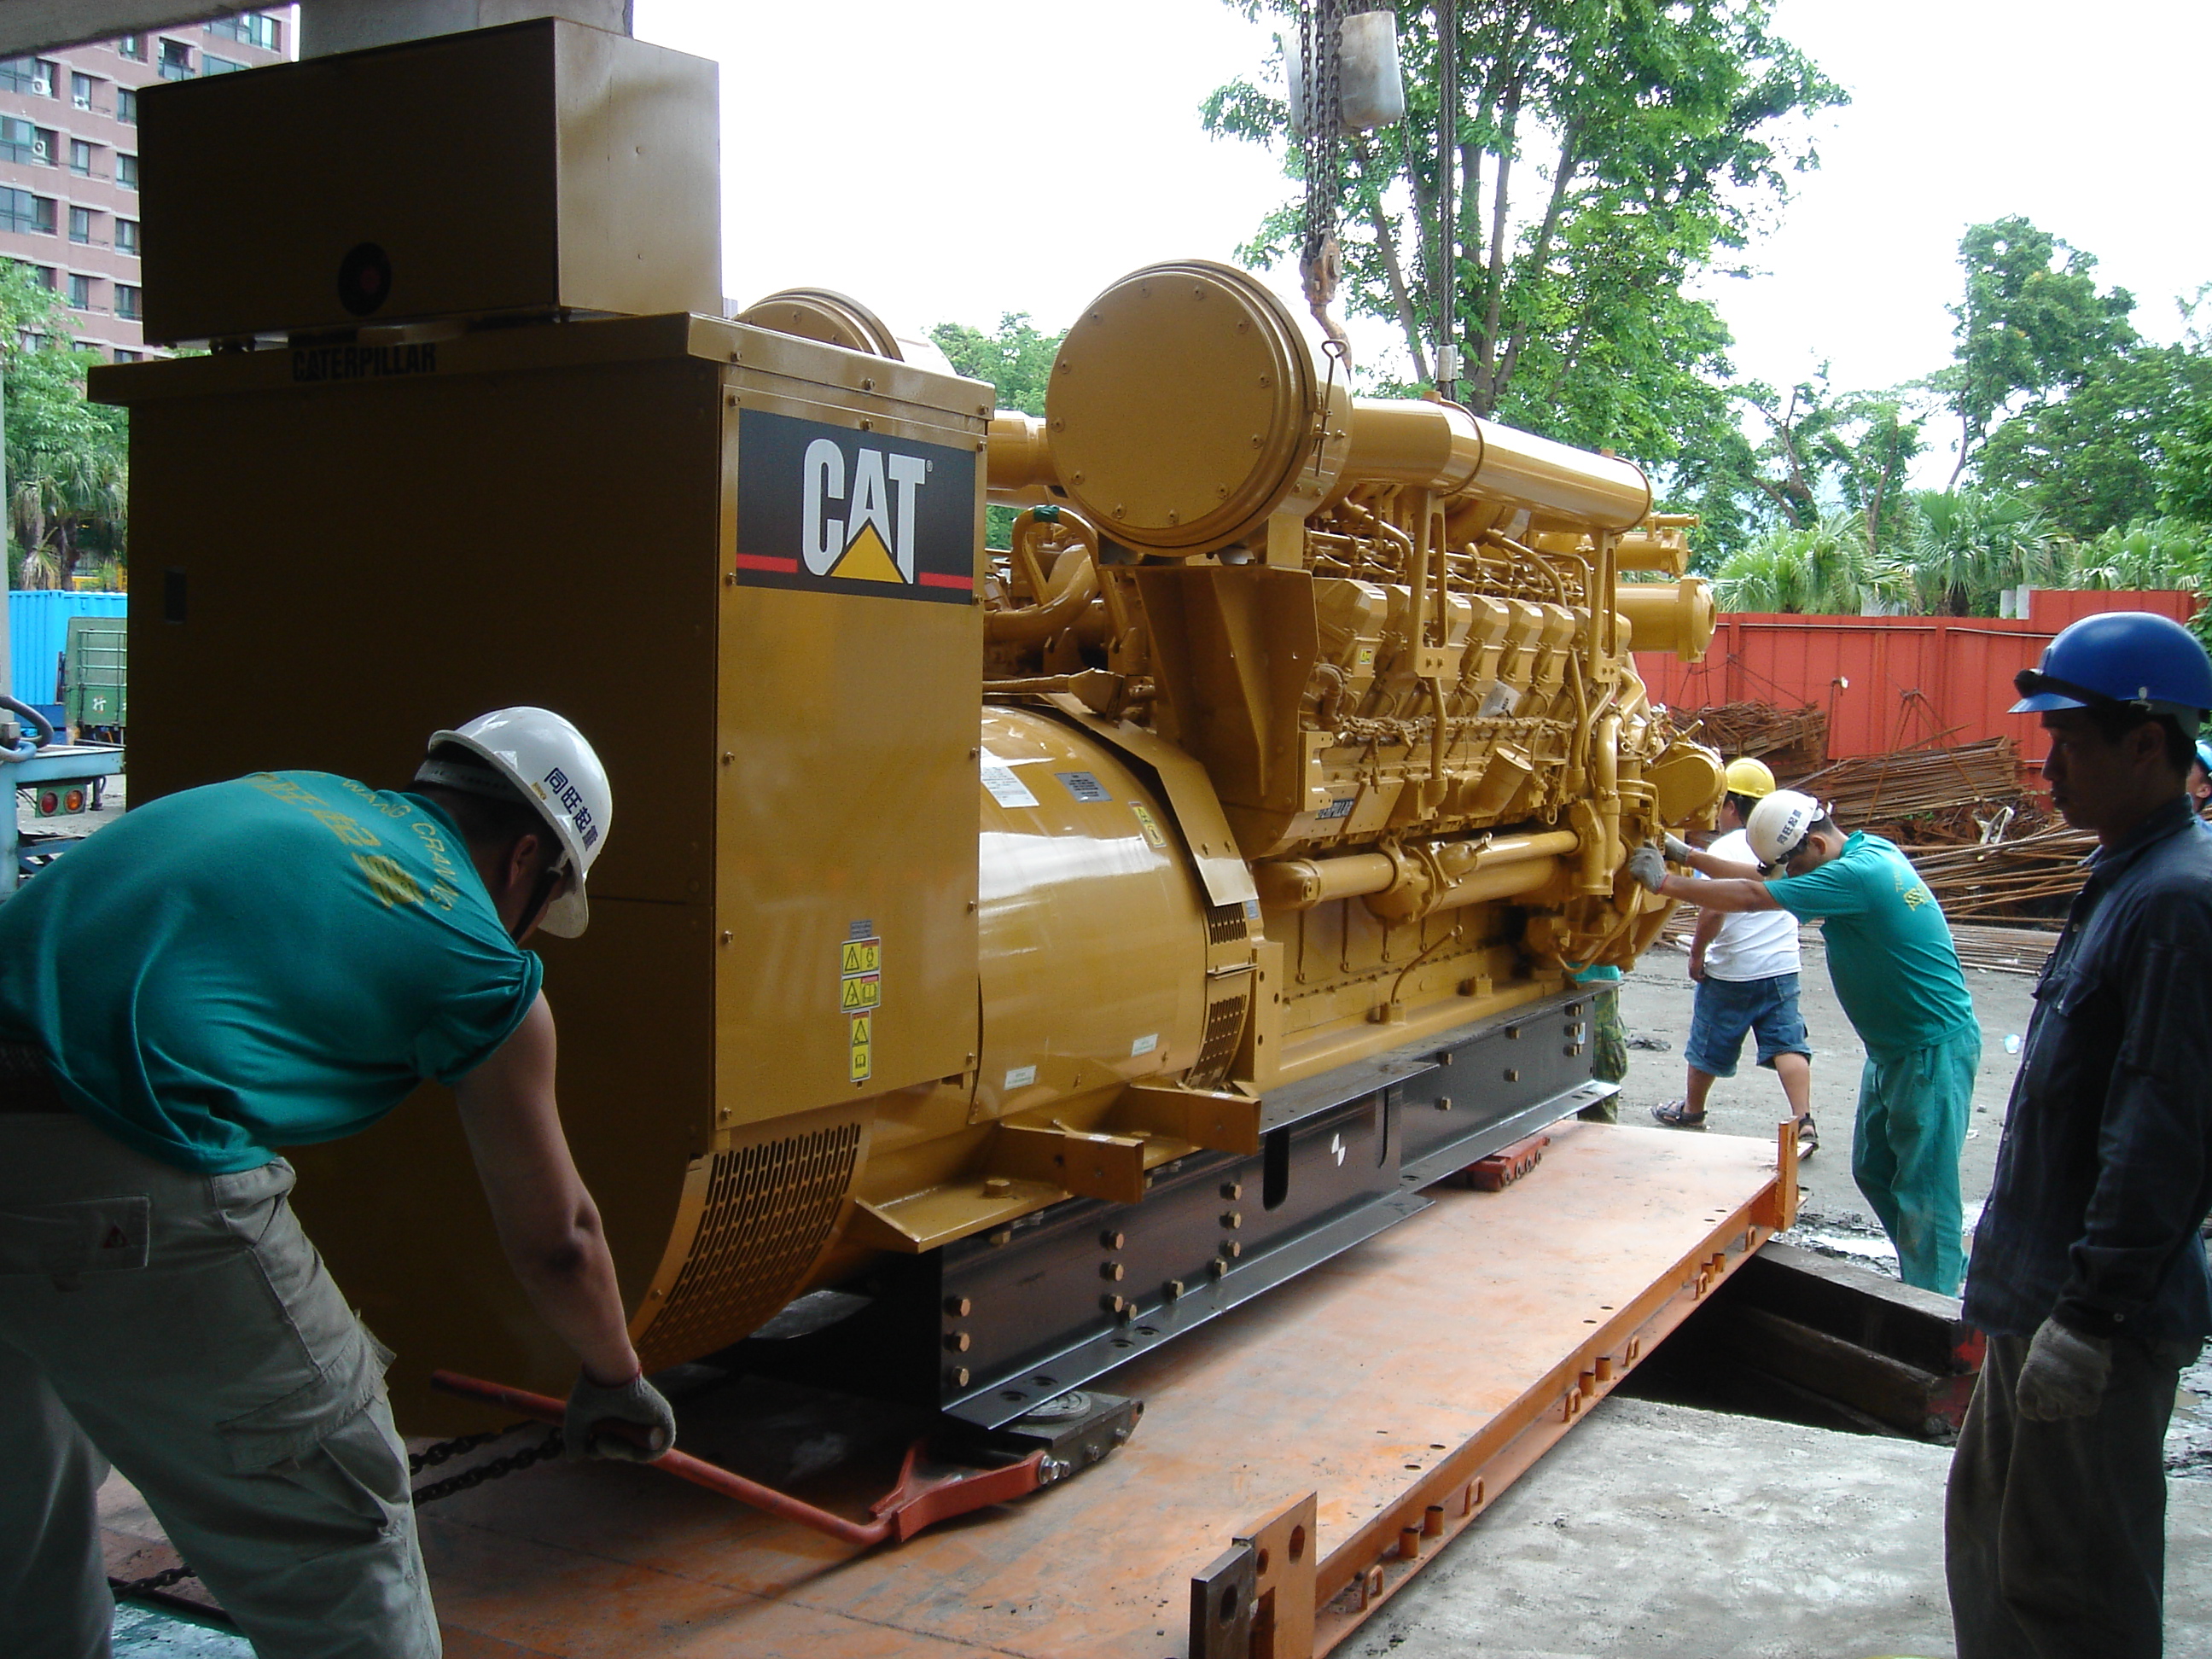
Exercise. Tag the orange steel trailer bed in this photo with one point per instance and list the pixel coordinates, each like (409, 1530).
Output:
(1397, 1389)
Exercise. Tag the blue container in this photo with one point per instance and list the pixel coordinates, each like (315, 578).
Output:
(38, 633)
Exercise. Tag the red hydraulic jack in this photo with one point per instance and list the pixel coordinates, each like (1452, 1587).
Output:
(1083, 1430)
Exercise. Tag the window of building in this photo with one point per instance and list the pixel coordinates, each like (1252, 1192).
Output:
(80, 157)
(123, 354)
(27, 75)
(132, 46)
(126, 300)
(254, 28)
(81, 86)
(80, 224)
(80, 292)
(126, 105)
(126, 237)
(126, 171)
(176, 61)
(22, 211)
(211, 64)
(42, 275)
(18, 140)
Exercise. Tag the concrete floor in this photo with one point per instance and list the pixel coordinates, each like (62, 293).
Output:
(1656, 1532)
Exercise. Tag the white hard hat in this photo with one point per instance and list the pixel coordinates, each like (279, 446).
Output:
(550, 765)
(1778, 825)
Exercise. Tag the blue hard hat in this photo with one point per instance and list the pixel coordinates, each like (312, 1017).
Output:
(2205, 756)
(2121, 658)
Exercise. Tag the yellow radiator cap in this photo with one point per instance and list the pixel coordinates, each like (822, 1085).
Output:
(1179, 407)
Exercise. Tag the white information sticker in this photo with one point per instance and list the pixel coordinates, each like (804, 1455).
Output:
(1020, 1076)
(1145, 1045)
(1005, 788)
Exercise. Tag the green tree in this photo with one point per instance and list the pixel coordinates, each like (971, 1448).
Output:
(2095, 458)
(68, 466)
(2030, 326)
(1967, 545)
(1607, 153)
(1017, 358)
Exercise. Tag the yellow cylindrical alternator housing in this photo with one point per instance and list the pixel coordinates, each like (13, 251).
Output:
(1092, 926)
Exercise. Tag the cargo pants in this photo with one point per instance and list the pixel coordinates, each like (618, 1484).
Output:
(2054, 1533)
(182, 1327)
(1913, 1109)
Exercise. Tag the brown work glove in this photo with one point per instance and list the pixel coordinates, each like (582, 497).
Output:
(632, 1422)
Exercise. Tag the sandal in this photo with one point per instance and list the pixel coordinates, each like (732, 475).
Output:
(1677, 1115)
(1809, 1136)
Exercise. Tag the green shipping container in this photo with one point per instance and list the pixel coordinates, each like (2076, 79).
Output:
(96, 674)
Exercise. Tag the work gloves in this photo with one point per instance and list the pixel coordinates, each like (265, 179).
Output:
(1648, 865)
(1679, 850)
(632, 1422)
(2063, 1375)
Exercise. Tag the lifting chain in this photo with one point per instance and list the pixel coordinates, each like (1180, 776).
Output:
(428, 1458)
(1321, 263)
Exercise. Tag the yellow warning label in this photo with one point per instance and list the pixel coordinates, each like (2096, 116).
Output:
(862, 991)
(860, 1048)
(1144, 822)
(861, 956)
(1364, 657)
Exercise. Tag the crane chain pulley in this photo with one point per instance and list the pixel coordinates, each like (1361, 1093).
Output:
(1320, 262)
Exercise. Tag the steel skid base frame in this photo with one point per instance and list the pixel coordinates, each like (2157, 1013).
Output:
(1310, 1449)
(987, 1329)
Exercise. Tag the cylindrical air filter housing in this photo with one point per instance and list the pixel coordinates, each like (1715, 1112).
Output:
(1184, 408)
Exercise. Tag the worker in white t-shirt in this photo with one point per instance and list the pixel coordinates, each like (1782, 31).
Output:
(1745, 962)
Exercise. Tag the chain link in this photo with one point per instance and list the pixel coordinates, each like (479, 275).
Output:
(428, 1458)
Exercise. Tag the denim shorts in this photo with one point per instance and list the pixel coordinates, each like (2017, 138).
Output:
(1727, 1008)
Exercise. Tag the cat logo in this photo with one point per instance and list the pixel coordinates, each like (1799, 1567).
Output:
(826, 508)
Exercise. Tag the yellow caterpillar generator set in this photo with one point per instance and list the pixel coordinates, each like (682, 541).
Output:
(1001, 964)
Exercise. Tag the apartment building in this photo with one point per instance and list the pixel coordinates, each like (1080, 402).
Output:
(69, 159)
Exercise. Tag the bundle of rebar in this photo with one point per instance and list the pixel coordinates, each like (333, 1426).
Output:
(2030, 881)
(2004, 949)
(1869, 790)
(1788, 740)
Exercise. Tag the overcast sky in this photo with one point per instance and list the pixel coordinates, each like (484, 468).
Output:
(952, 161)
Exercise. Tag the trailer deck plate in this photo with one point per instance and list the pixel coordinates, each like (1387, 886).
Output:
(1403, 1385)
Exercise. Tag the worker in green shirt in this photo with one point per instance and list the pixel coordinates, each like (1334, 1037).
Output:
(268, 963)
(1897, 974)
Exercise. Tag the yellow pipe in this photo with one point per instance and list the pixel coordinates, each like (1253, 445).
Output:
(1019, 469)
(1440, 447)
(1069, 593)
(1302, 884)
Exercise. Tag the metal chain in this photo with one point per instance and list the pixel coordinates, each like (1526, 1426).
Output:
(428, 1458)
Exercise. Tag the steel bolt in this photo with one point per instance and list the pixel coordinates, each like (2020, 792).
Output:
(1512, 1074)
(1173, 1288)
(1111, 1270)
(1232, 1190)
(1232, 1219)
(1217, 1267)
(958, 1341)
(1444, 1102)
(958, 1376)
(1110, 1240)
(959, 1306)
(1231, 1248)
(1112, 1305)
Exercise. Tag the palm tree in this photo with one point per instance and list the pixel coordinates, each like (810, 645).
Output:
(1823, 568)
(1966, 545)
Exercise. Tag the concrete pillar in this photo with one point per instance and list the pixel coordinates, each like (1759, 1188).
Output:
(335, 25)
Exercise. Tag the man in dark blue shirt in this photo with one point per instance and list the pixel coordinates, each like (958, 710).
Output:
(2088, 1270)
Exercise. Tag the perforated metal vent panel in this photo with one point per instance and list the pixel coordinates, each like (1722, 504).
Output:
(769, 1210)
